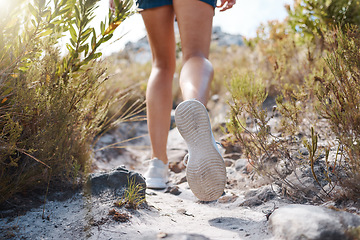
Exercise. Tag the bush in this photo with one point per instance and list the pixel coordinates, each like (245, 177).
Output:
(51, 107)
(271, 155)
(339, 103)
(290, 65)
(312, 19)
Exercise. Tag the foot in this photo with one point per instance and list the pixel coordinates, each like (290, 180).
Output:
(156, 175)
(206, 172)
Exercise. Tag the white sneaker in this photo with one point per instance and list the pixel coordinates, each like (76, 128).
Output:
(205, 172)
(156, 175)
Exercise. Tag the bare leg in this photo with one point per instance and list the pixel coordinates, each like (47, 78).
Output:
(195, 25)
(159, 23)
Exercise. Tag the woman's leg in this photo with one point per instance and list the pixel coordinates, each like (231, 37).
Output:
(195, 25)
(159, 23)
(206, 172)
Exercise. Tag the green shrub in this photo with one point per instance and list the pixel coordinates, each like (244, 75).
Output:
(339, 102)
(271, 156)
(51, 107)
(312, 19)
(290, 64)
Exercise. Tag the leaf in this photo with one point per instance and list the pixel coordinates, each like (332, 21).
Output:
(41, 3)
(56, 22)
(72, 42)
(88, 31)
(69, 48)
(86, 49)
(93, 40)
(82, 48)
(112, 27)
(45, 13)
(108, 37)
(33, 22)
(73, 33)
(102, 27)
(77, 13)
(46, 33)
(33, 10)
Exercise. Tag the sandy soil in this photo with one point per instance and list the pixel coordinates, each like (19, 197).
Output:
(166, 215)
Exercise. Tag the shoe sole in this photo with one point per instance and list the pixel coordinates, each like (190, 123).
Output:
(205, 172)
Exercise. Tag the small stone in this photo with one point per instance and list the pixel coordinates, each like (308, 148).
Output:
(184, 212)
(304, 151)
(227, 199)
(228, 162)
(182, 180)
(240, 164)
(176, 167)
(258, 196)
(233, 156)
(162, 235)
(175, 190)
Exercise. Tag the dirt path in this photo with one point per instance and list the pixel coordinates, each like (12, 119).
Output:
(168, 216)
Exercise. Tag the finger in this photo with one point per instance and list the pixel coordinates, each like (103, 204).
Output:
(228, 6)
(222, 3)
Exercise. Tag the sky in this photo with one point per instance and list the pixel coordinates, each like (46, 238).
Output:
(243, 18)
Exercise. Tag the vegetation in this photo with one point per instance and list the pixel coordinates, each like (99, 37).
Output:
(134, 195)
(339, 103)
(310, 64)
(51, 106)
(302, 63)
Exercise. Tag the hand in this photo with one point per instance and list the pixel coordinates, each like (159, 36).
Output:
(226, 4)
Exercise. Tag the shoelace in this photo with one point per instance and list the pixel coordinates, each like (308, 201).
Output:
(186, 158)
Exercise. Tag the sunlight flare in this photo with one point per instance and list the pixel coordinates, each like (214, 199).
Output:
(4, 4)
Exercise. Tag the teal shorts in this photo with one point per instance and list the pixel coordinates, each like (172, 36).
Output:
(146, 4)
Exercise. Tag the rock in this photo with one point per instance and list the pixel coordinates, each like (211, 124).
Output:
(233, 156)
(115, 181)
(304, 151)
(226, 39)
(296, 222)
(258, 196)
(230, 146)
(181, 180)
(173, 190)
(175, 236)
(176, 167)
(140, 52)
(283, 168)
(228, 162)
(228, 198)
(240, 164)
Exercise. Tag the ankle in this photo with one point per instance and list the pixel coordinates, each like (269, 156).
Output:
(163, 159)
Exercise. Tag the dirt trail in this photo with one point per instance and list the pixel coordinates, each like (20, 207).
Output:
(167, 216)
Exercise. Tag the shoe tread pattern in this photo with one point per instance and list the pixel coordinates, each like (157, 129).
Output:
(205, 173)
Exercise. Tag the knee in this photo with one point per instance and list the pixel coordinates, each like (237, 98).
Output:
(199, 62)
(164, 66)
(194, 56)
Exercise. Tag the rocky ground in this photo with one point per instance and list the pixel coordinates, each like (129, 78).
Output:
(249, 209)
